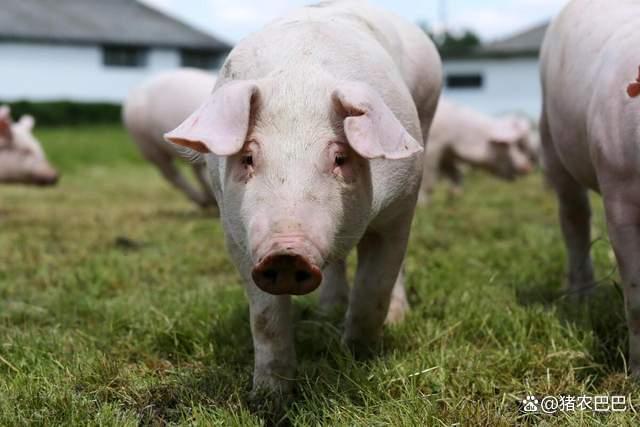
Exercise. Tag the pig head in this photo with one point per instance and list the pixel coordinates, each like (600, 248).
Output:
(22, 160)
(293, 198)
(510, 148)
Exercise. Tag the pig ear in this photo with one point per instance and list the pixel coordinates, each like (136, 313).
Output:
(5, 123)
(505, 133)
(372, 129)
(27, 121)
(221, 124)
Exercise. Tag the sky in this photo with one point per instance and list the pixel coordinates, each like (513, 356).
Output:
(231, 20)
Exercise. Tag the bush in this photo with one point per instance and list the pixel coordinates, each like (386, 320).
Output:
(66, 113)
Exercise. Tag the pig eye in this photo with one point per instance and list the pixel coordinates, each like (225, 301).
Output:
(247, 160)
(340, 159)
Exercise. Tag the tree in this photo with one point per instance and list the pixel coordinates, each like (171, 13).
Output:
(453, 44)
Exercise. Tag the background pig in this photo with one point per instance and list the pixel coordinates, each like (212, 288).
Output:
(503, 146)
(590, 130)
(313, 142)
(159, 105)
(22, 160)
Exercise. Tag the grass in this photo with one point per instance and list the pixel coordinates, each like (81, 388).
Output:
(118, 306)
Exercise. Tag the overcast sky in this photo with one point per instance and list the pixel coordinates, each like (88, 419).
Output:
(233, 19)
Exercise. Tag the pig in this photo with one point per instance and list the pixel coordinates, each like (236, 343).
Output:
(591, 140)
(313, 139)
(157, 106)
(22, 159)
(503, 146)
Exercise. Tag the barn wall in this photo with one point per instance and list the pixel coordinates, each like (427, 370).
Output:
(39, 72)
(510, 85)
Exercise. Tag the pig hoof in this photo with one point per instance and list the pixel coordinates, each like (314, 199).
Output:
(580, 292)
(398, 309)
(360, 348)
(269, 405)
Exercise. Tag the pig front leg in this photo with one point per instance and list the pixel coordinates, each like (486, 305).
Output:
(170, 172)
(272, 332)
(623, 222)
(380, 257)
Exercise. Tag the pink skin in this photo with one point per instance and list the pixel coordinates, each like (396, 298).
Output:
(287, 260)
(158, 105)
(313, 150)
(22, 160)
(291, 242)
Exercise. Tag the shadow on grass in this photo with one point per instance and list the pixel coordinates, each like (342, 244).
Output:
(601, 314)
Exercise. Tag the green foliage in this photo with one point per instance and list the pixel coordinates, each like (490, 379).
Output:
(119, 306)
(65, 113)
(452, 45)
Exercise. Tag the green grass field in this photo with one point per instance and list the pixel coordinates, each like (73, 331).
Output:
(118, 306)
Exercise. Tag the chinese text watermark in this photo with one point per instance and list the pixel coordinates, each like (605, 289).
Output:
(559, 404)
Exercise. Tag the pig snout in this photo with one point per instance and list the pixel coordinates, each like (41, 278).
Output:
(287, 268)
(46, 179)
(525, 169)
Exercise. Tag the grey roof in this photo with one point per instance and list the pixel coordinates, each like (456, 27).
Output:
(526, 43)
(122, 22)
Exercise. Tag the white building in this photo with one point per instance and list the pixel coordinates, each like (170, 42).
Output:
(92, 50)
(500, 77)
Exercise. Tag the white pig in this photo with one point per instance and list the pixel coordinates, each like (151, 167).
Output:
(22, 159)
(314, 145)
(503, 146)
(157, 106)
(590, 130)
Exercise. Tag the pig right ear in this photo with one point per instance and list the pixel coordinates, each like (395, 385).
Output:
(5, 124)
(505, 133)
(221, 124)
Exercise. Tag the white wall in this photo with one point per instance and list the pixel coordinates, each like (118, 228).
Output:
(53, 72)
(510, 85)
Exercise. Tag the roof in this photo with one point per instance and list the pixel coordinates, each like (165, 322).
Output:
(120, 22)
(525, 43)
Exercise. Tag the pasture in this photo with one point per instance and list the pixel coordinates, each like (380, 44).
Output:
(118, 306)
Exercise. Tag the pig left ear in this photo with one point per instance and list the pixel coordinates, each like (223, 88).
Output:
(5, 123)
(505, 133)
(370, 126)
(27, 122)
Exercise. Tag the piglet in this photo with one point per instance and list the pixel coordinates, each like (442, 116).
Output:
(157, 106)
(504, 146)
(22, 159)
(590, 130)
(314, 144)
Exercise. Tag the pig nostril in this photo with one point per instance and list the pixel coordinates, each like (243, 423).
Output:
(271, 275)
(302, 276)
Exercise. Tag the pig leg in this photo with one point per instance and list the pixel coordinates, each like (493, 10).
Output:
(399, 306)
(164, 162)
(200, 172)
(623, 223)
(380, 257)
(575, 218)
(430, 176)
(450, 170)
(334, 290)
(272, 332)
